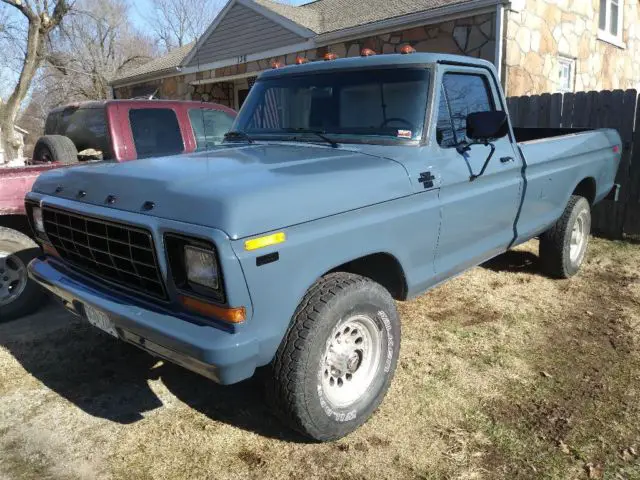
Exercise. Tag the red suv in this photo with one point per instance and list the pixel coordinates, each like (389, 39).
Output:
(130, 129)
(118, 130)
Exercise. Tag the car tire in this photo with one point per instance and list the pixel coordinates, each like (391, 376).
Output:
(54, 148)
(19, 295)
(563, 247)
(336, 362)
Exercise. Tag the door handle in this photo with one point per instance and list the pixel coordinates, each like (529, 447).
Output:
(506, 159)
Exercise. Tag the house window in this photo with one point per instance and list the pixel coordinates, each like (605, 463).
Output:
(566, 71)
(610, 21)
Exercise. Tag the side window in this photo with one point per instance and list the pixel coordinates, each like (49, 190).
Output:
(87, 128)
(209, 126)
(155, 132)
(50, 123)
(465, 94)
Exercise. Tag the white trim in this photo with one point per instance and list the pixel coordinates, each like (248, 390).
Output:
(228, 78)
(606, 35)
(428, 17)
(279, 19)
(608, 38)
(499, 33)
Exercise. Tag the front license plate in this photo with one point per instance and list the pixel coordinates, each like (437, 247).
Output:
(100, 319)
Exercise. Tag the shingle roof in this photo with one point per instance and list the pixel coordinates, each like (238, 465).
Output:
(168, 62)
(323, 16)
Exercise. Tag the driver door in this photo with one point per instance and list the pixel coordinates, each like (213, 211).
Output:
(478, 216)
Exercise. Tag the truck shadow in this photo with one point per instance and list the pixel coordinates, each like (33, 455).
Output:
(109, 379)
(515, 261)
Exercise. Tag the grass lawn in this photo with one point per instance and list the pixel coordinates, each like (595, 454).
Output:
(503, 374)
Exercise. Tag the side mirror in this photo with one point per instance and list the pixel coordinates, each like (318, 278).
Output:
(487, 126)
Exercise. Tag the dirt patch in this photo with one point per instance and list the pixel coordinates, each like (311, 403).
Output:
(503, 373)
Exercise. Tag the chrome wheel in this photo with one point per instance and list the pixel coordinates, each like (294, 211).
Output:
(351, 360)
(13, 278)
(579, 235)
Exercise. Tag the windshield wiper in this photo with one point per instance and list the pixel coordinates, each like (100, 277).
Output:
(318, 133)
(238, 134)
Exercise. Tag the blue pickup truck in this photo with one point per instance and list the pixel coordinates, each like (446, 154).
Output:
(344, 185)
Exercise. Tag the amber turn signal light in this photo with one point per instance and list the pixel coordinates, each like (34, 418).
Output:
(231, 315)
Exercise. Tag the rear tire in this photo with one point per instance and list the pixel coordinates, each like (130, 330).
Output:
(19, 295)
(54, 148)
(336, 362)
(564, 246)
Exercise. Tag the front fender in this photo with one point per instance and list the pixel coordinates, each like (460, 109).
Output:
(406, 228)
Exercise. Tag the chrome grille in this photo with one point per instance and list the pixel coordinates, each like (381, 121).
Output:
(115, 252)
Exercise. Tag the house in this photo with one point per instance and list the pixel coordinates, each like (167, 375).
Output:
(18, 136)
(539, 46)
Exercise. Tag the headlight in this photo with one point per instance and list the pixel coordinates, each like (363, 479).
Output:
(201, 267)
(38, 222)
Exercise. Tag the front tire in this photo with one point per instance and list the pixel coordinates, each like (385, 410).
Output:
(563, 247)
(19, 295)
(334, 366)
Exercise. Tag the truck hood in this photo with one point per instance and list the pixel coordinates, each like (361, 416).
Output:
(242, 190)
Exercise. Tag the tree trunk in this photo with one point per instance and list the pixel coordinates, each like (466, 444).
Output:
(9, 111)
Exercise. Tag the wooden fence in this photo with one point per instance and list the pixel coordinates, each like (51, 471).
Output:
(617, 109)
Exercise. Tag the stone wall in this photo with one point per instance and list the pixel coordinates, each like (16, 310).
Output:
(545, 29)
(474, 36)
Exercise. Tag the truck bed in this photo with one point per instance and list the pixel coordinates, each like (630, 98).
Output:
(528, 134)
(15, 182)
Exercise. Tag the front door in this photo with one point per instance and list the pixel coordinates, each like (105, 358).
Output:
(477, 215)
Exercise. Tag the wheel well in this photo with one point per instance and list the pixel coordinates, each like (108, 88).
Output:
(587, 189)
(382, 268)
(16, 222)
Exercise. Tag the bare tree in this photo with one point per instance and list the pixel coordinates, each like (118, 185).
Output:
(177, 22)
(93, 44)
(42, 17)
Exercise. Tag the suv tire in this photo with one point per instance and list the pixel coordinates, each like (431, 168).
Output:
(336, 362)
(55, 148)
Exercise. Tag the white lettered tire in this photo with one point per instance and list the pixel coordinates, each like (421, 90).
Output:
(335, 364)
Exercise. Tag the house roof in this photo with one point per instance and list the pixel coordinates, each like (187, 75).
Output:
(323, 16)
(167, 63)
(318, 17)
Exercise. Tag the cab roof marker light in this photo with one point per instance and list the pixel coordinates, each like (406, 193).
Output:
(367, 52)
(266, 241)
(301, 60)
(330, 56)
(407, 49)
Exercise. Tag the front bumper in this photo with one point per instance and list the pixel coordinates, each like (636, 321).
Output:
(220, 355)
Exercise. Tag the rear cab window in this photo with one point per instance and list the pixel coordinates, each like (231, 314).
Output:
(209, 126)
(156, 132)
(460, 95)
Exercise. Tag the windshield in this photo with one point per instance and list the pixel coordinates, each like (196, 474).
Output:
(349, 106)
